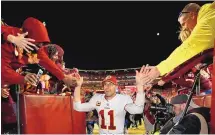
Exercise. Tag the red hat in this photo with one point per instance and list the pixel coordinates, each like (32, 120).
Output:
(36, 30)
(111, 79)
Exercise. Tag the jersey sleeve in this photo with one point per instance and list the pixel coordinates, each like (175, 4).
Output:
(86, 107)
(132, 108)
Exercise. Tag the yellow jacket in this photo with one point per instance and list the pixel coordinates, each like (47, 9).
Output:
(201, 38)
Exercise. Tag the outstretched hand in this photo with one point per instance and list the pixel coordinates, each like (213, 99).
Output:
(24, 43)
(142, 75)
(79, 79)
(147, 75)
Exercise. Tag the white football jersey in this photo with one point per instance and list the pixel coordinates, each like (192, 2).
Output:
(111, 112)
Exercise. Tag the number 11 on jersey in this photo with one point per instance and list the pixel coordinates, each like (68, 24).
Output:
(111, 116)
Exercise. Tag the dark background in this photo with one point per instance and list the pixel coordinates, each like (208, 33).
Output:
(105, 35)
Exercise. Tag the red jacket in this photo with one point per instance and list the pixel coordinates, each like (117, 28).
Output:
(10, 62)
(205, 83)
(186, 66)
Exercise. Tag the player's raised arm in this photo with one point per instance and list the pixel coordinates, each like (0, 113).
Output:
(138, 106)
(78, 106)
(141, 77)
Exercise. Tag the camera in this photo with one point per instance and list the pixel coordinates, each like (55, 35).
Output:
(162, 112)
(165, 109)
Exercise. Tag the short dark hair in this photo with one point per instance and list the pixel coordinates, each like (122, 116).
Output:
(52, 50)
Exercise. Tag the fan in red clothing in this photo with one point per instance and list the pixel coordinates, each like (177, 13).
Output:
(12, 61)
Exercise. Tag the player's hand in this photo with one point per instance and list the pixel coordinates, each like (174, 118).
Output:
(79, 79)
(151, 75)
(147, 87)
(70, 81)
(142, 76)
